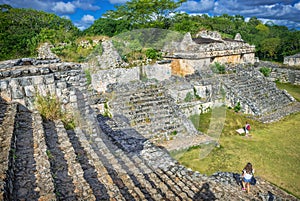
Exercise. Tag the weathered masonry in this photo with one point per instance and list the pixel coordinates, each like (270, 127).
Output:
(190, 55)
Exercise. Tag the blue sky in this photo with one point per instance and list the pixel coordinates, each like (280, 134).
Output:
(84, 12)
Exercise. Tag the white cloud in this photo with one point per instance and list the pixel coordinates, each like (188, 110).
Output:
(117, 1)
(88, 19)
(66, 17)
(64, 8)
(195, 6)
(85, 5)
(297, 6)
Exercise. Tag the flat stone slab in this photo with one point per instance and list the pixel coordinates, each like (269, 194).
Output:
(240, 131)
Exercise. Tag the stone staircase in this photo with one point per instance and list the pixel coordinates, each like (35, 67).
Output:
(147, 108)
(41, 160)
(256, 94)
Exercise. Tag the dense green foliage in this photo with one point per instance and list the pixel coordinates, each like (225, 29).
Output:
(272, 42)
(22, 30)
(108, 27)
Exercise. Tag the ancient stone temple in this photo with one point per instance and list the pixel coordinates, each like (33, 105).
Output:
(208, 47)
(293, 60)
(111, 153)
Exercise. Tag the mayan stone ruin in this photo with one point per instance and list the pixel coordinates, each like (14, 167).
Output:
(128, 121)
(293, 60)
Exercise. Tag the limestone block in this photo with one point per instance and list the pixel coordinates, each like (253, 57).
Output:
(29, 91)
(49, 79)
(73, 98)
(159, 72)
(3, 85)
(37, 80)
(61, 85)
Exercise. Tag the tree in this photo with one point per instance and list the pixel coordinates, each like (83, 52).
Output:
(21, 30)
(270, 47)
(140, 12)
(108, 27)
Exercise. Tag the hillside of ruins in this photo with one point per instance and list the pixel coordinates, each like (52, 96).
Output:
(128, 119)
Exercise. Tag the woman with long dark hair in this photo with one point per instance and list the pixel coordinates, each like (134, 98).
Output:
(248, 172)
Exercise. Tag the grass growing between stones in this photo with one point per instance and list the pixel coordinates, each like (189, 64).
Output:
(273, 149)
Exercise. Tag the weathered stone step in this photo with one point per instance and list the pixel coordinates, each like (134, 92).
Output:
(118, 175)
(109, 191)
(44, 180)
(146, 176)
(82, 188)
(67, 172)
(3, 109)
(6, 137)
(24, 181)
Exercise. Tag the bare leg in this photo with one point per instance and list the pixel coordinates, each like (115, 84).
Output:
(243, 184)
(248, 187)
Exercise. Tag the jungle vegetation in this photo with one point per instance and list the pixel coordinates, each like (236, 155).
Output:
(22, 30)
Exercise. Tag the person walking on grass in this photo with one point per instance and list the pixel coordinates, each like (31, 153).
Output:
(247, 129)
(247, 175)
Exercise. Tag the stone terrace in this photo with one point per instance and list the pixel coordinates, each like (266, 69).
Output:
(147, 108)
(256, 94)
(99, 160)
(40, 160)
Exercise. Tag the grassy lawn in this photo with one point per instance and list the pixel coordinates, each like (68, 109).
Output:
(273, 149)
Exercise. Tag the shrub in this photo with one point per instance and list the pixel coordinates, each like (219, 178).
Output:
(265, 71)
(48, 106)
(189, 97)
(88, 76)
(218, 68)
(152, 54)
(237, 107)
(50, 109)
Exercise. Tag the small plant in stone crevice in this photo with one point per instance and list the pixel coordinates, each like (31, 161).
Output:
(48, 152)
(48, 106)
(265, 71)
(50, 109)
(196, 94)
(106, 111)
(13, 153)
(218, 68)
(88, 76)
(237, 107)
(189, 97)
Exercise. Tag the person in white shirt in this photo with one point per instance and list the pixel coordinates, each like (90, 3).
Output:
(247, 175)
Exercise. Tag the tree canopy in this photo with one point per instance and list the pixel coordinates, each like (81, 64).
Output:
(21, 30)
(145, 12)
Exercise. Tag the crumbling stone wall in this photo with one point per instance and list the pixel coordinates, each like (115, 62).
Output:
(281, 73)
(21, 83)
(293, 60)
(197, 54)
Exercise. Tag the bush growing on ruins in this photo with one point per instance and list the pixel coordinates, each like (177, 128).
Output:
(48, 106)
(189, 97)
(50, 109)
(88, 76)
(153, 54)
(265, 71)
(237, 107)
(218, 68)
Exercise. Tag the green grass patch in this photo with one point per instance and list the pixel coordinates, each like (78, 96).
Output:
(294, 90)
(273, 148)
